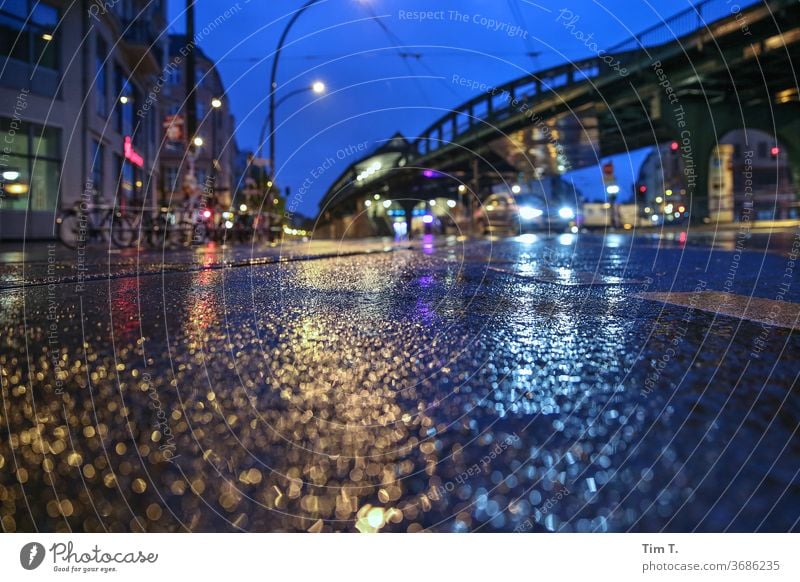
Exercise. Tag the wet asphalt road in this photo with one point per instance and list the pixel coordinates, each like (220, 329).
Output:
(523, 384)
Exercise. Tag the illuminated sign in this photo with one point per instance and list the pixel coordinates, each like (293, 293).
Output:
(173, 128)
(130, 154)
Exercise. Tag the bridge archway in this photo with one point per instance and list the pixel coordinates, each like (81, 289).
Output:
(704, 133)
(760, 175)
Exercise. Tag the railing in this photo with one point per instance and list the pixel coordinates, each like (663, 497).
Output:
(684, 23)
(466, 117)
(497, 106)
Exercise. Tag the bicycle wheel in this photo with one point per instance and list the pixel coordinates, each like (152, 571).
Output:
(123, 231)
(69, 229)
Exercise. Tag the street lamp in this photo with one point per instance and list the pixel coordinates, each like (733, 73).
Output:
(198, 141)
(273, 81)
(317, 87)
(216, 104)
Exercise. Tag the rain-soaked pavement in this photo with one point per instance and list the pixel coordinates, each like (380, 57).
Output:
(526, 384)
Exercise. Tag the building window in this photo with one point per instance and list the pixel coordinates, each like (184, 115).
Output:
(120, 82)
(98, 159)
(125, 96)
(29, 46)
(28, 32)
(31, 164)
(173, 76)
(125, 191)
(100, 81)
(170, 180)
(124, 9)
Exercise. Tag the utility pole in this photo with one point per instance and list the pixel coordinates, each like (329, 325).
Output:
(191, 66)
(476, 186)
(189, 179)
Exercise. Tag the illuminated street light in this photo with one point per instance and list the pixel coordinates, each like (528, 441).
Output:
(516, 189)
(566, 213)
(198, 141)
(318, 87)
(216, 103)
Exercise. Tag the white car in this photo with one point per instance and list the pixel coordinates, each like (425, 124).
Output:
(522, 213)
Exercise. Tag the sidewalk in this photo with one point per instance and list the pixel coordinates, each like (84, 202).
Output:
(41, 263)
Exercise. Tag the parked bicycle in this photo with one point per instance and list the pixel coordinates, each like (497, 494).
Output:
(167, 226)
(95, 223)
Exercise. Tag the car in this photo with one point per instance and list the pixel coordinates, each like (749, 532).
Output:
(505, 212)
(522, 213)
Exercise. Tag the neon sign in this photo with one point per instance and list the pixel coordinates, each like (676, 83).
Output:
(130, 154)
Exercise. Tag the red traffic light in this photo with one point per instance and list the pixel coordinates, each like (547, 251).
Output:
(775, 151)
(674, 146)
(642, 189)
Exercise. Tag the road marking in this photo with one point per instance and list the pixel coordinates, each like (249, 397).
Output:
(566, 277)
(768, 311)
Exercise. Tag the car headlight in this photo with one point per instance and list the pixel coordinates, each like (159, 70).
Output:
(529, 213)
(566, 213)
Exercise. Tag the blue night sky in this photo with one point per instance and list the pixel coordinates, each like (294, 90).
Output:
(373, 89)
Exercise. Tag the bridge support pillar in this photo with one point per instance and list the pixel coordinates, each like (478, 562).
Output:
(693, 125)
(789, 138)
(408, 210)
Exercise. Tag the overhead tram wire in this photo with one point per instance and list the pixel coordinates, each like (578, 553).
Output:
(519, 19)
(405, 55)
(393, 41)
(409, 54)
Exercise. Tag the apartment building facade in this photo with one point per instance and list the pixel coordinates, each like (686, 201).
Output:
(72, 77)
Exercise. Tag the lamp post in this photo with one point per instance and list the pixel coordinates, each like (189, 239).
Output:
(216, 104)
(317, 87)
(273, 86)
(273, 83)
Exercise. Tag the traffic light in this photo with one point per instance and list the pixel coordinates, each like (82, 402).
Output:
(775, 151)
(674, 147)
